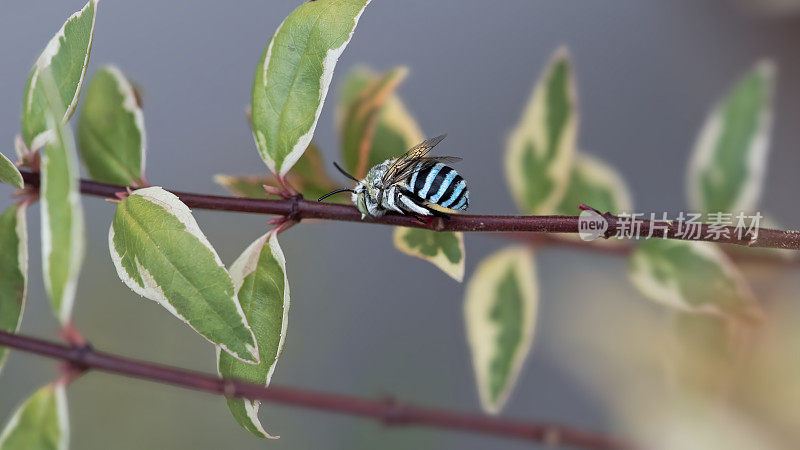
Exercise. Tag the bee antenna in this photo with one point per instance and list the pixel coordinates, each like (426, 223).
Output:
(344, 172)
(334, 192)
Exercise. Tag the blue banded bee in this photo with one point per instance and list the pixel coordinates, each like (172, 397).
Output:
(414, 184)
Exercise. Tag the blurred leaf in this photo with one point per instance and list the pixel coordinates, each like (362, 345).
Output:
(63, 239)
(111, 133)
(20, 149)
(444, 249)
(161, 254)
(706, 351)
(41, 423)
(354, 83)
(729, 159)
(259, 277)
(66, 56)
(293, 75)
(248, 186)
(9, 172)
(540, 150)
(361, 118)
(14, 270)
(691, 276)
(308, 176)
(395, 132)
(500, 311)
(596, 184)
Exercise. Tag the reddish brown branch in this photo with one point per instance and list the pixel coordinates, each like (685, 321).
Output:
(389, 412)
(298, 208)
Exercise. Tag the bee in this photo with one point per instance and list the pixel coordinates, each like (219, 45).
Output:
(414, 184)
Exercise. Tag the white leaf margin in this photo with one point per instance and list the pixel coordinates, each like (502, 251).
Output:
(173, 206)
(19, 183)
(669, 294)
(481, 335)
(62, 414)
(328, 66)
(61, 132)
(532, 126)
(22, 260)
(246, 264)
(704, 147)
(43, 62)
(454, 271)
(131, 105)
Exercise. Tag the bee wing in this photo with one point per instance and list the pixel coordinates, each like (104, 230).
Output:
(427, 162)
(409, 159)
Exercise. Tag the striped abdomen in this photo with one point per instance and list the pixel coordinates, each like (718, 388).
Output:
(441, 185)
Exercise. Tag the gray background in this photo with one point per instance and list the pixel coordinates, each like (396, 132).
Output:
(648, 71)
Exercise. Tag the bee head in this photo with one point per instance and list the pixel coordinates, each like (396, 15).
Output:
(359, 197)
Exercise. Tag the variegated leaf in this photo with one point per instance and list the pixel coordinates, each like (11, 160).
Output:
(726, 172)
(540, 150)
(594, 183)
(40, 423)
(9, 172)
(361, 117)
(66, 57)
(444, 249)
(161, 254)
(691, 276)
(13, 270)
(63, 239)
(395, 132)
(500, 311)
(111, 134)
(259, 277)
(293, 75)
(247, 186)
(308, 176)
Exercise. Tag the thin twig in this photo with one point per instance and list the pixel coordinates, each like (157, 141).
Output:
(304, 209)
(388, 411)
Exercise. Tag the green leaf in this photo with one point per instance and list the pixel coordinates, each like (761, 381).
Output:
(293, 75)
(63, 239)
(40, 423)
(308, 176)
(9, 173)
(540, 150)
(13, 270)
(500, 311)
(691, 276)
(66, 56)
(161, 254)
(444, 249)
(361, 117)
(596, 184)
(728, 164)
(111, 133)
(395, 132)
(259, 277)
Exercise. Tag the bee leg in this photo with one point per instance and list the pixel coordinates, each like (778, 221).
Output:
(419, 219)
(441, 214)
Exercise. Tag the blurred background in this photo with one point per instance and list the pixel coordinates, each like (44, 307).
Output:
(647, 71)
